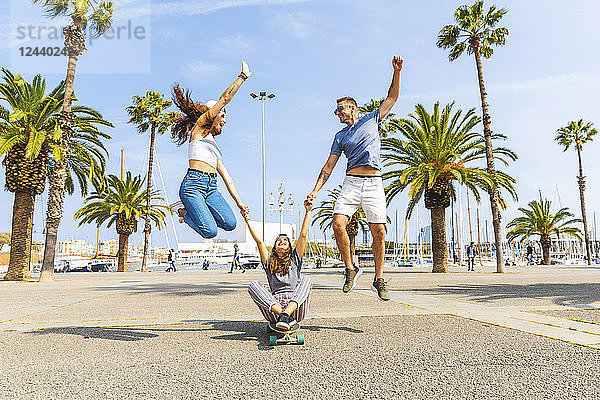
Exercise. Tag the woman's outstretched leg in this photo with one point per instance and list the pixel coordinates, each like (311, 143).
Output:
(264, 300)
(192, 194)
(220, 210)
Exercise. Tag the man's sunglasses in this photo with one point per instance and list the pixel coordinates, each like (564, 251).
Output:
(340, 108)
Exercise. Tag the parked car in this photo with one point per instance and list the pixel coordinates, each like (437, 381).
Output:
(249, 262)
(101, 266)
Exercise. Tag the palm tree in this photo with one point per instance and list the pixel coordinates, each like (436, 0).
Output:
(26, 135)
(81, 13)
(475, 31)
(385, 126)
(576, 134)
(98, 14)
(436, 150)
(538, 220)
(324, 216)
(83, 154)
(147, 112)
(121, 202)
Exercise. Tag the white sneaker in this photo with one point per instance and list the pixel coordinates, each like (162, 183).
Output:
(175, 207)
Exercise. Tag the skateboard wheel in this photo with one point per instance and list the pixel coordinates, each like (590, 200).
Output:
(272, 340)
(300, 339)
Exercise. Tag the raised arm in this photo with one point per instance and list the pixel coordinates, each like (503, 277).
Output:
(231, 187)
(262, 249)
(394, 91)
(304, 230)
(226, 96)
(323, 176)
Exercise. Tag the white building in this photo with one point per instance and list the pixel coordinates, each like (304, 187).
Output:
(272, 230)
(245, 241)
(109, 247)
(76, 247)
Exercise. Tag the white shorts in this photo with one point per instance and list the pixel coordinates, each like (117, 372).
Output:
(362, 192)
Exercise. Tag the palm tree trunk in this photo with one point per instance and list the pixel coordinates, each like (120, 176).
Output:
(56, 196)
(20, 240)
(69, 83)
(122, 255)
(438, 240)
(148, 226)
(56, 199)
(489, 155)
(581, 182)
(546, 242)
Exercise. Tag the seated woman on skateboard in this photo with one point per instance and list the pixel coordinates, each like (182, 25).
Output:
(287, 301)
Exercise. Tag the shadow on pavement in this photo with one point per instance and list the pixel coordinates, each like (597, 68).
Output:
(257, 331)
(567, 294)
(234, 330)
(180, 289)
(123, 334)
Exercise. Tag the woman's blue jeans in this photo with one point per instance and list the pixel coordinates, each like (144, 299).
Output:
(206, 209)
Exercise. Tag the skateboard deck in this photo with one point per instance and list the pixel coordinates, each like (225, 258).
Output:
(279, 336)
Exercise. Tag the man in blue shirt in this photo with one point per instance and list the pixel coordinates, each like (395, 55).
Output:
(362, 187)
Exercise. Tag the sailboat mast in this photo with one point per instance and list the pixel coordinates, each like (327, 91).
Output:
(469, 214)
(452, 230)
(478, 239)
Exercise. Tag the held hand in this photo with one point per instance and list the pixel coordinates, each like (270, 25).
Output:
(308, 205)
(397, 63)
(244, 210)
(311, 196)
(245, 69)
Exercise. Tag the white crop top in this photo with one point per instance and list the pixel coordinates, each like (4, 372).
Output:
(205, 149)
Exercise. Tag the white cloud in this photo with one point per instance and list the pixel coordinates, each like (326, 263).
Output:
(197, 7)
(199, 70)
(237, 44)
(298, 24)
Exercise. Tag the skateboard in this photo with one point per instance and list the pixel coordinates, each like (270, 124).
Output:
(279, 336)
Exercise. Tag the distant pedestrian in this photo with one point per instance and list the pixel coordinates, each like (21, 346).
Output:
(471, 253)
(171, 259)
(455, 256)
(205, 264)
(529, 254)
(236, 259)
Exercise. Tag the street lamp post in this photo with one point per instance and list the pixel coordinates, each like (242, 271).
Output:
(262, 96)
(281, 204)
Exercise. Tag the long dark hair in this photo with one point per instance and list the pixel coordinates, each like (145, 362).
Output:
(280, 265)
(184, 123)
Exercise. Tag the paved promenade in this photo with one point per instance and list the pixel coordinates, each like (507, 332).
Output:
(531, 333)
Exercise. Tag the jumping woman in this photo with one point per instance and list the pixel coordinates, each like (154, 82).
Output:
(287, 299)
(202, 207)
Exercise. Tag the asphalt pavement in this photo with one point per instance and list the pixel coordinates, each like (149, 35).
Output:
(528, 334)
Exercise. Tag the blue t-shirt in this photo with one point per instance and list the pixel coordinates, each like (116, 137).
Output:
(360, 142)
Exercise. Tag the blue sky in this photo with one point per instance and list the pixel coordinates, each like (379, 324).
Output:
(311, 52)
